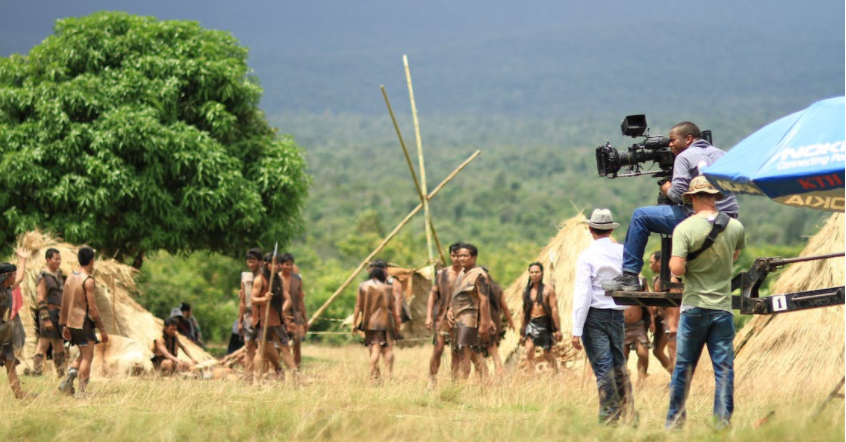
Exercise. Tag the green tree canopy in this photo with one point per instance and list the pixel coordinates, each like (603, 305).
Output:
(133, 134)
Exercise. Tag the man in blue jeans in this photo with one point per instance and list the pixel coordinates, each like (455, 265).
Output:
(598, 322)
(706, 315)
(692, 153)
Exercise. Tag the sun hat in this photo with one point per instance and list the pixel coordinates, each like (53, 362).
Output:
(700, 184)
(601, 219)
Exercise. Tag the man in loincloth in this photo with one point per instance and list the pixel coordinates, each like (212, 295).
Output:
(48, 294)
(245, 310)
(436, 308)
(470, 312)
(376, 315)
(166, 350)
(12, 335)
(498, 309)
(273, 299)
(295, 312)
(80, 317)
(665, 322)
(541, 323)
(637, 320)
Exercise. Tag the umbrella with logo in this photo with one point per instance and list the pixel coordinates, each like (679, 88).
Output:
(798, 160)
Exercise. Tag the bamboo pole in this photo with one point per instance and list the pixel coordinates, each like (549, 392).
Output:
(428, 224)
(267, 309)
(384, 242)
(413, 174)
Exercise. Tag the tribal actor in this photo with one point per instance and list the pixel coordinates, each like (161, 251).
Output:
(295, 311)
(470, 310)
(79, 316)
(268, 301)
(12, 335)
(245, 310)
(436, 309)
(541, 323)
(166, 350)
(48, 294)
(377, 316)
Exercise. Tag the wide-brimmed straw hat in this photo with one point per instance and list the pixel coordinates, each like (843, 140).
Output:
(601, 219)
(700, 184)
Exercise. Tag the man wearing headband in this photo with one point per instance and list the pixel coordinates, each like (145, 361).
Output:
(11, 330)
(79, 316)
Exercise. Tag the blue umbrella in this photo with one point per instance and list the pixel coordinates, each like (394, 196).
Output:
(798, 160)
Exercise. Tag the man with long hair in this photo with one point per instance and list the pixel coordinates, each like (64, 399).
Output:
(12, 334)
(374, 310)
(470, 312)
(541, 325)
(268, 301)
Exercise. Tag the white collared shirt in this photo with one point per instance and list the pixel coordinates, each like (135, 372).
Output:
(602, 261)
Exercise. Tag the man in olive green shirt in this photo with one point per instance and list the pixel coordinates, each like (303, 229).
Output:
(706, 315)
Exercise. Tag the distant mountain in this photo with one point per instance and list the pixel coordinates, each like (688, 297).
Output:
(528, 59)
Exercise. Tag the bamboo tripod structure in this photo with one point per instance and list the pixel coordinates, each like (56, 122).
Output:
(390, 236)
(428, 224)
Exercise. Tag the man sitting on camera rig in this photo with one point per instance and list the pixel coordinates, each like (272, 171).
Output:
(691, 152)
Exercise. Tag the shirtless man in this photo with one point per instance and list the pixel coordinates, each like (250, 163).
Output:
(541, 323)
(470, 312)
(498, 309)
(374, 309)
(48, 292)
(264, 299)
(11, 331)
(664, 324)
(166, 350)
(436, 308)
(245, 310)
(79, 316)
(637, 320)
(295, 311)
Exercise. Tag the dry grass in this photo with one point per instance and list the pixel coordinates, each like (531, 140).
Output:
(337, 402)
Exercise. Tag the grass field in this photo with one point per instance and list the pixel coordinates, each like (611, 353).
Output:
(338, 402)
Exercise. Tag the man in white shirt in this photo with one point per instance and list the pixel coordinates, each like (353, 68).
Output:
(598, 322)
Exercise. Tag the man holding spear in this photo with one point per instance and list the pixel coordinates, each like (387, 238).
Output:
(268, 298)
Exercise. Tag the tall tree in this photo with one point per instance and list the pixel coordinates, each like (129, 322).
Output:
(133, 134)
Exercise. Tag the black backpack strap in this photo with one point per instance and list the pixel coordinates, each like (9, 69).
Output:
(719, 225)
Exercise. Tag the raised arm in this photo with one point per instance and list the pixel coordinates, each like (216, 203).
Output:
(23, 255)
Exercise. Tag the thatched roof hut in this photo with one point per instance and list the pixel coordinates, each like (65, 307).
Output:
(559, 259)
(132, 329)
(416, 286)
(804, 347)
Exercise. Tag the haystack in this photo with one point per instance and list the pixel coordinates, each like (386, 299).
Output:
(802, 351)
(131, 328)
(559, 259)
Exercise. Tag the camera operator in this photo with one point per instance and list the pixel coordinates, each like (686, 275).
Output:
(691, 152)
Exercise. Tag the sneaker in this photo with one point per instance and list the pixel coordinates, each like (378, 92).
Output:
(628, 282)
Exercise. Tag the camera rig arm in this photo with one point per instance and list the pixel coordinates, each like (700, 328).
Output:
(749, 282)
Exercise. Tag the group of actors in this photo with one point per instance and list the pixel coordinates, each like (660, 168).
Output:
(66, 313)
(466, 309)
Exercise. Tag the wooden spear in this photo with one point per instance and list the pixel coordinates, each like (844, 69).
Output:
(428, 216)
(413, 174)
(388, 238)
(267, 309)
